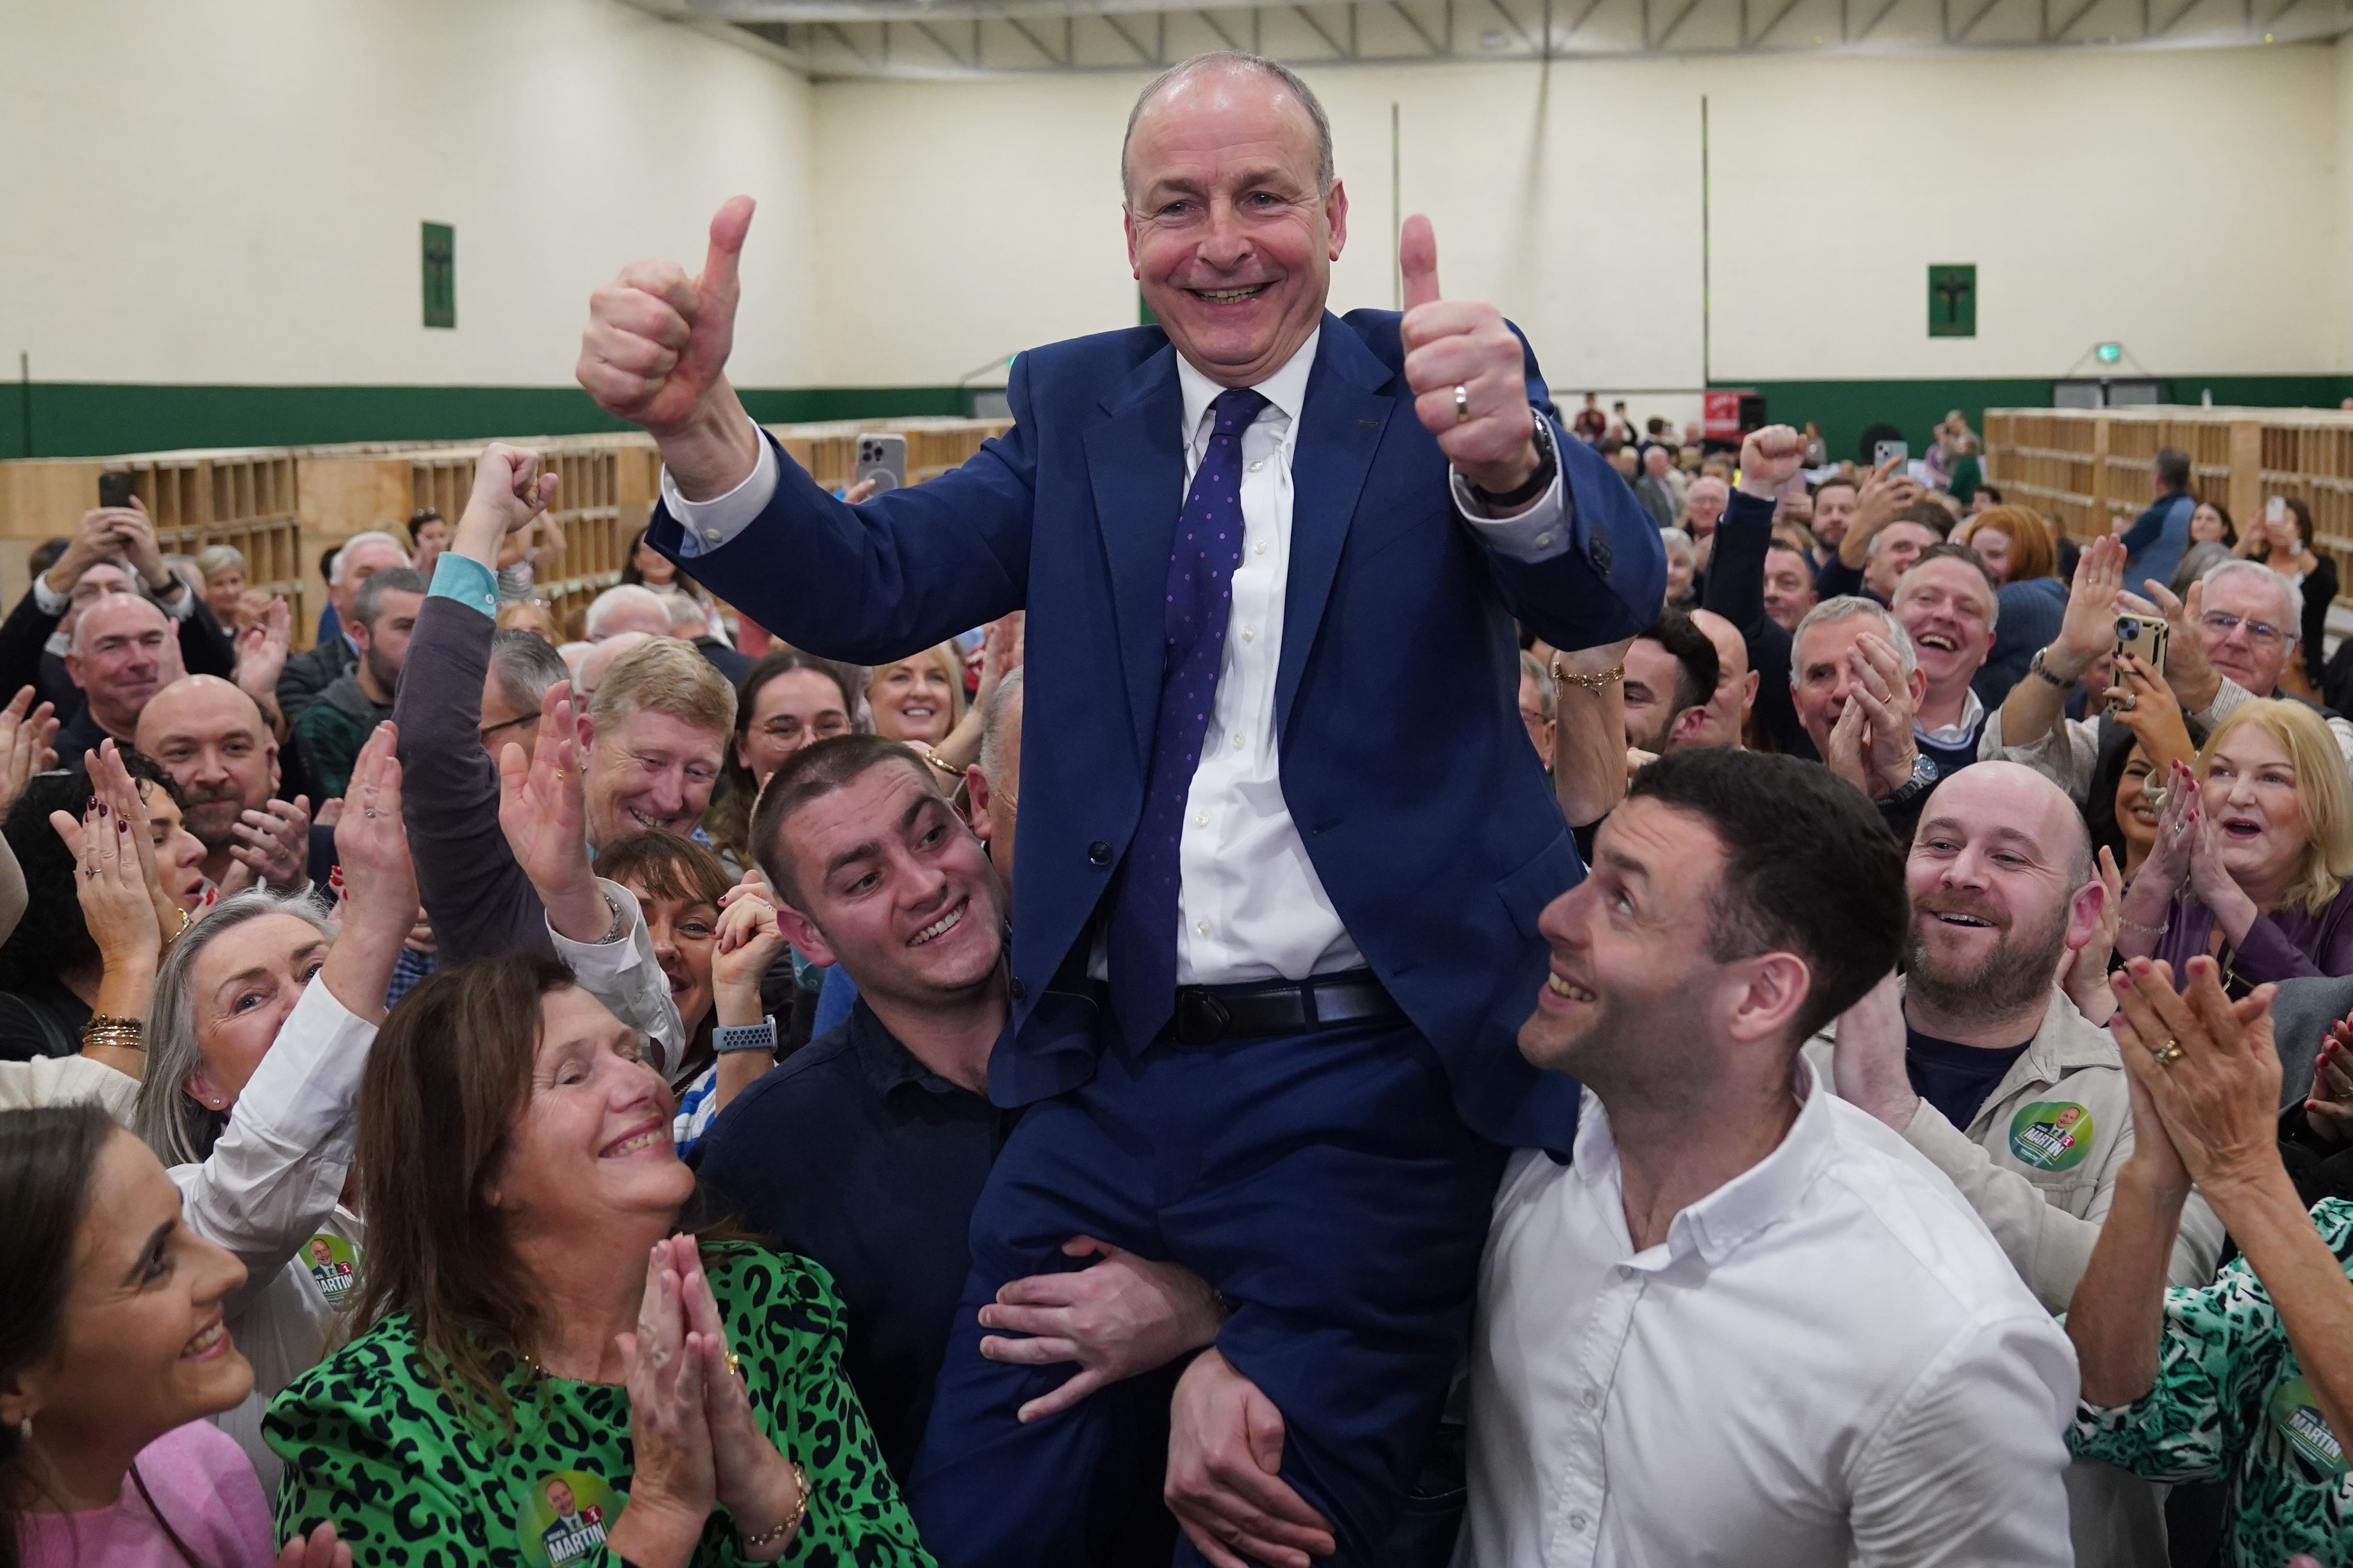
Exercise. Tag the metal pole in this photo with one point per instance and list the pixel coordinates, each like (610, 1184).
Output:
(24, 395)
(1396, 213)
(1706, 304)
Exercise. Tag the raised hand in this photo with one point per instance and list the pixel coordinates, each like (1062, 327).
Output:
(1769, 460)
(94, 539)
(657, 341)
(25, 733)
(2083, 967)
(1889, 754)
(1468, 372)
(112, 892)
(755, 1483)
(379, 882)
(1867, 1057)
(509, 494)
(545, 819)
(748, 942)
(112, 782)
(663, 1364)
(1123, 1316)
(272, 847)
(261, 652)
(1885, 491)
(2219, 1093)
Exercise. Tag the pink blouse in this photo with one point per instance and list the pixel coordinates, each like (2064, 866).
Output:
(203, 1484)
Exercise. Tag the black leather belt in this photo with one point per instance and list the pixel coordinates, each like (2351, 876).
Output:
(1207, 1013)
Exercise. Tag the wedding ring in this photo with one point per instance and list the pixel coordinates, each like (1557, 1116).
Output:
(2170, 1052)
(559, 773)
(367, 811)
(1462, 403)
(90, 871)
(735, 1366)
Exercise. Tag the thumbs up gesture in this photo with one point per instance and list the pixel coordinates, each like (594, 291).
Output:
(1468, 373)
(657, 341)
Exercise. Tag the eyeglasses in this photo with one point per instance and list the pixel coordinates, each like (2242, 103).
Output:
(2262, 632)
(489, 730)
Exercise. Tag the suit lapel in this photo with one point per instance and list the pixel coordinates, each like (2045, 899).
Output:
(1135, 462)
(1340, 427)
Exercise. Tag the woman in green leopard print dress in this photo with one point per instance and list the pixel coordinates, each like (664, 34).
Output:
(545, 1380)
(2244, 1380)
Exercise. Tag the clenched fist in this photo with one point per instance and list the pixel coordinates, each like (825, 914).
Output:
(657, 341)
(1469, 374)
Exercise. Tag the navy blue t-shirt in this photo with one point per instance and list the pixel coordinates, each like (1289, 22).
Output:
(1955, 1078)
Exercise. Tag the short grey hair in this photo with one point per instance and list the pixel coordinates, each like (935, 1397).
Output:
(684, 612)
(995, 719)
(214, 558)
(2287, 591)
(602, 607)
(1851, 607)
(180, 1130)
(1239, 59)
(1532, 668)
(524, 666)
(1679, 542)
(343, 552)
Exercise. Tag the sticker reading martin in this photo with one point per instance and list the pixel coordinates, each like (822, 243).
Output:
(563, 1517)
(334, 1267)
(2299, 1419)
(2052, 1135)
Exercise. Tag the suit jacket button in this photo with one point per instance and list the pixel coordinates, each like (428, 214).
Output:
(1018, 991)
(1601, 555)
(1099, 853)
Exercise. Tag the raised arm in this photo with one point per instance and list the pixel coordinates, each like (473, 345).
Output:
(2085, 629)
(1769, 460)
(1589, 744)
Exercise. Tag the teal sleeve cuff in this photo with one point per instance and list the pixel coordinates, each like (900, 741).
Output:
(467, 581)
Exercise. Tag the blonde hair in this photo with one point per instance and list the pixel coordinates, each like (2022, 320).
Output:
(667, 676)
(2031, 553)
(949, 659)
(2324, 798)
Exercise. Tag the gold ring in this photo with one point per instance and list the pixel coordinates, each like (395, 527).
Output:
(735, 1365)
(559, 773)
(1462, 403)
(2170, 1052)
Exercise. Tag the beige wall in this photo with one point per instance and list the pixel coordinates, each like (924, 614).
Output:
(2178, 201)
(229, 191)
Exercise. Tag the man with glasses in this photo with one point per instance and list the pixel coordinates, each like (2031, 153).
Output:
(2247, 618)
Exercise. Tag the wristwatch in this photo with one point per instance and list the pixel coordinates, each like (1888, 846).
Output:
(759, 1036)
(1923, 780)
(1547, 468)
(2035, 665)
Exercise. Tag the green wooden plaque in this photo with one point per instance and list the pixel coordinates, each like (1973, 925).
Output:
(440, 275)
(1952, 301)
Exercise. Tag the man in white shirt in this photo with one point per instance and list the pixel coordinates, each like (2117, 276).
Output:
(1748, 1324)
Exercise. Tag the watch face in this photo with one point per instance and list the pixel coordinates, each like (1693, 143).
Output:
(1926, 771)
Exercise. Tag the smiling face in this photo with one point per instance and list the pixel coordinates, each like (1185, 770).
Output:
(117, 659)
(913, 700)
(1653, 699)
(2207, 527)
(241, 989)
(144, 1346)
(890, 883)
(179, 857)
(1834, 507)
(648, 769)
(685, 933)
(1822, 677)
(560, 1498)
(1948, 609)
(653, 566)
(210, 736)
(593, 1142)
(1227, 232)
(2245, 626)
(1632, 983)
(1992, 546)
(1703, 506)
(1788, 587)
(787, 712)
(2249, 789)
(1992, 877)
(2135, 815)
(222, 591)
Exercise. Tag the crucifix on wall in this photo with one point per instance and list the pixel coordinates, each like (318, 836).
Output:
(1952, 301)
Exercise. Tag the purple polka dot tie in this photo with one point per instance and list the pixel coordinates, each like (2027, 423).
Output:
(1207, 547)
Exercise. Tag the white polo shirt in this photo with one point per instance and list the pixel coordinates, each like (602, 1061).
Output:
(1829, 1359)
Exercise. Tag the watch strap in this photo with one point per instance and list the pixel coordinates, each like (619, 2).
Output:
(1547, 469)
(759, 1036)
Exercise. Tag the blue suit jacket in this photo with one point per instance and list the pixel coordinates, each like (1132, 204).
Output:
(1423, 808)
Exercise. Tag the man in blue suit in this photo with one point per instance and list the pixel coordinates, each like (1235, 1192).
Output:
(1283, 843)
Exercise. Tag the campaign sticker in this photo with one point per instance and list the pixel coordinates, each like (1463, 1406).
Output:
(2306, 1429)
(2052, 1135)
(334, 1267)
(563, 1517)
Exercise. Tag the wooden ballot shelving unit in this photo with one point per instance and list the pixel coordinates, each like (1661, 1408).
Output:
(282, 506)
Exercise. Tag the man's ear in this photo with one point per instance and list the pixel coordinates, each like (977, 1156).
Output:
(583, 726)
(1687, 724)
(1773, 991)
(1748, 693)
(270, 752)
(2084, 912)
(802, 932)
(976, 791)
(1916, 683)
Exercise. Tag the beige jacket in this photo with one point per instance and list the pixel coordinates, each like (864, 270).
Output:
(2038, 1161)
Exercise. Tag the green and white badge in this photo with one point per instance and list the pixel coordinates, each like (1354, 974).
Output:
(334, 1267)
(562, 1517)
(2306, 1429)
(2052, 1135)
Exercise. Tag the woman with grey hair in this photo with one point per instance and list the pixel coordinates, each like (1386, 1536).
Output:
(221, 567)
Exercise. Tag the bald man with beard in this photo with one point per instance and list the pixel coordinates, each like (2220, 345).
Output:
(210, 736)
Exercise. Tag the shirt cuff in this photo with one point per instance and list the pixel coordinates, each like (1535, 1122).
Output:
(1538, 534)
(48, 599)
(708, 525)
(465, 580)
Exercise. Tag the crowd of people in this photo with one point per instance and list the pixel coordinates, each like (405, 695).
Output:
(1862, 1071)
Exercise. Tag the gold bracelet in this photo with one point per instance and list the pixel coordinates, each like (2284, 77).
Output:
(942, 763)
(769, 1537)
(122, 1034)
(1590, 682)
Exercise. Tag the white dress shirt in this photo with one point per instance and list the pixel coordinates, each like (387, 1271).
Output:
(1829, 1359)
(1250, 904)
